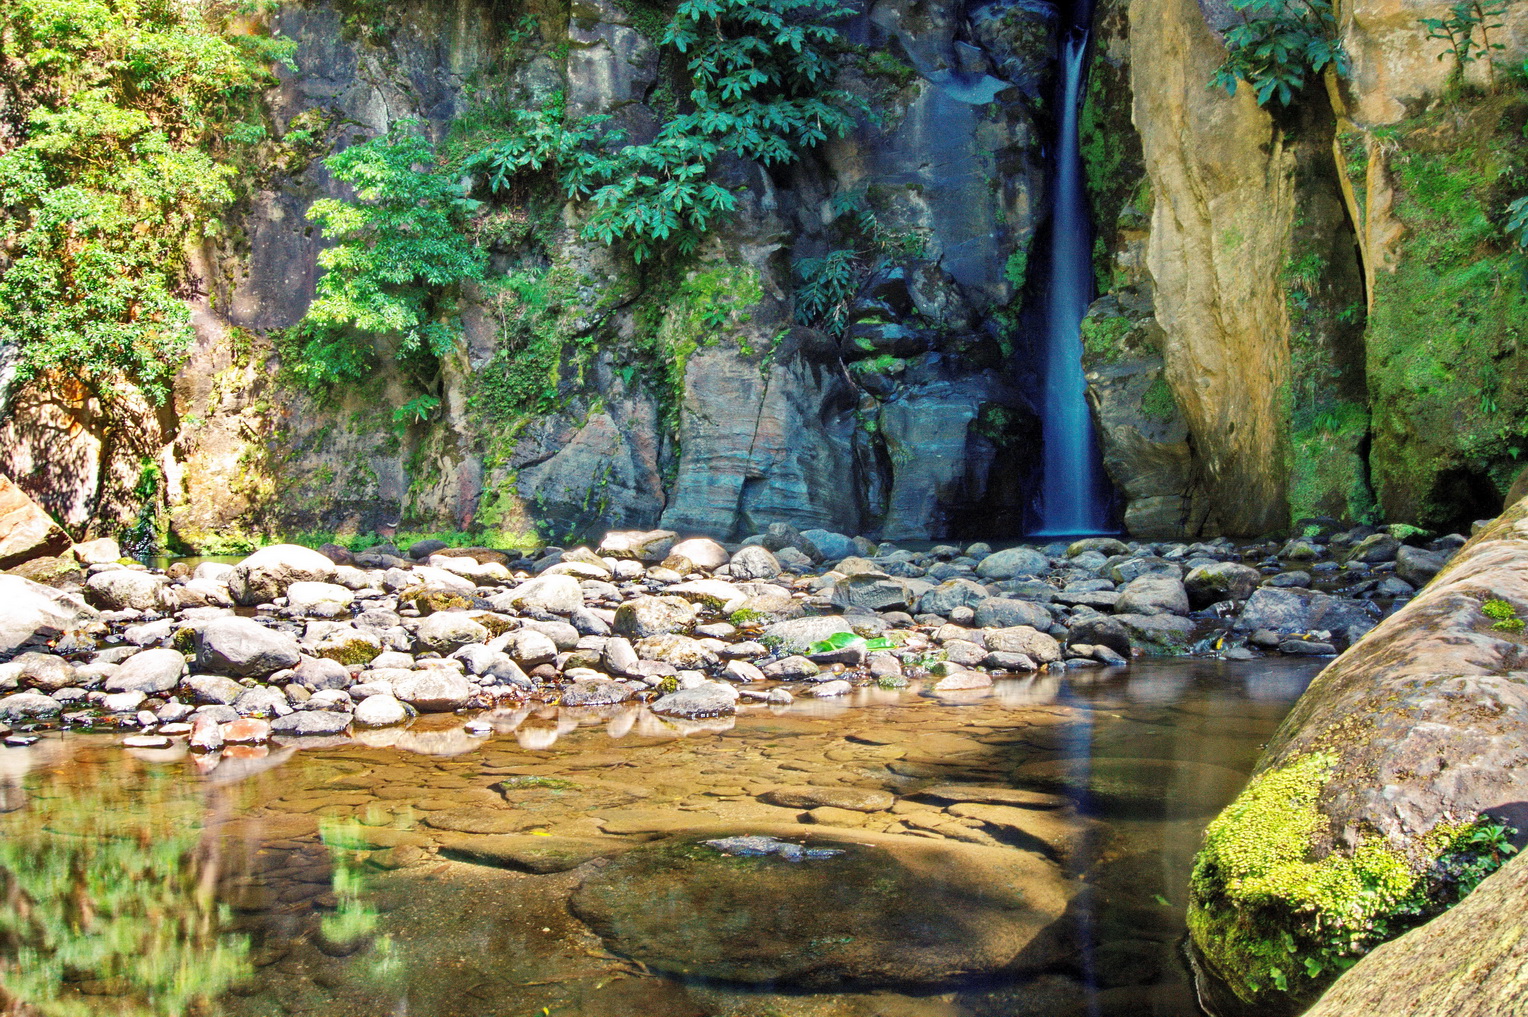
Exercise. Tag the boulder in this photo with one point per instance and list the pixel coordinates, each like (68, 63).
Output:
(444, 632)
(243, 647)
(1417, 566)
(380, 710)
(26, 531)
(1002, 612)
(148, 672)
(97, 552)
(949, 595)
(701, 552)
(433, 691)
(819, 908)
(1105, 546)
(870, 593)
(311, 724)
(37, 617)
(680, 651)
(25, 706)
(595, 692)
(319, 600)
(1399, 744)
(710, 699)
(211, 689)
(527, 647)
(1374, 549)
(1100, 630)
(798, 634)
(266, 574)
(1037, 646)
(321, 673)
(126, 590)
(1218, 581)
(754, 563)
(39, 672)
(647, 546)
(544, 594)
(830, 546)
(1014, 562)
(1153, 593)
(653, 616)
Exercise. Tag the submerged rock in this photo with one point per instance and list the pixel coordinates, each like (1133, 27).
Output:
(877, 910)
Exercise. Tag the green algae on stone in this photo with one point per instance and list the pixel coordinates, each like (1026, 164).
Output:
(1276, 919)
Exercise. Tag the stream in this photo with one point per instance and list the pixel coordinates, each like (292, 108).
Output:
(1018, 850)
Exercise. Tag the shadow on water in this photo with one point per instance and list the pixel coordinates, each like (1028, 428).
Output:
(1033, 860)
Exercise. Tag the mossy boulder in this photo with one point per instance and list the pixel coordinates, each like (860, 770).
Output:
(1363, 818)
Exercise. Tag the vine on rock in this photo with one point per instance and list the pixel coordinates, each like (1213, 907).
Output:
(1279, 47)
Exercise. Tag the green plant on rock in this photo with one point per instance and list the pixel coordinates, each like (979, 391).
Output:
(760, 73)
(125, 127)
(398, 248)
(1104, 337)
(1458, 29)
(1270, 913)
(824, 288)
(1504, 615)
(1517, 223)
(1279, 46)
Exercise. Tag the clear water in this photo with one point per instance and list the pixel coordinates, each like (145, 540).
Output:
(1071, 501)
(329, 881)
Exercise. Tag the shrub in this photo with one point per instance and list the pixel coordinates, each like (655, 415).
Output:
(1279, 46)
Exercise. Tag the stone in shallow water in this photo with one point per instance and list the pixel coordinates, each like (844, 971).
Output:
(530, 853)
(760, 846)
(887, 910)
(857, 799)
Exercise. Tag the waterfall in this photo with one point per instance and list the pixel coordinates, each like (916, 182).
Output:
(1071, 500)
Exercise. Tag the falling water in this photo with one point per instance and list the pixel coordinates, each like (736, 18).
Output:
(1071, 501)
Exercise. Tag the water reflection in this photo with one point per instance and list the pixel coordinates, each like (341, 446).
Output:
(110, 906)
(434, 870)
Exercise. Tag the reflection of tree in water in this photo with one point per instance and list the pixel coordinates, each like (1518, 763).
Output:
(107, 901)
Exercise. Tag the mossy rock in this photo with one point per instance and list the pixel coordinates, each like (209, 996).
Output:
(1364, 816)
(349, 651)
(430, 599)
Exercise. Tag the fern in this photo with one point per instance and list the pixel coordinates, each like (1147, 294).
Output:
(1278, 46)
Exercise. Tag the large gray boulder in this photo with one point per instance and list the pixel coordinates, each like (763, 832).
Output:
(444, 632)
(754, 563)
(796, 635)
(39, 672)
(434, 691)
(25, 706)
(1003, 612)
(38, 617)
(243, 647)
(1218, 581)
(544, 595)
(654, 616)
(1153, 593)
(1014, 562)
(148, 672)
(949, 595)
(647, 546)
(126, 590)
(711, 699)
(266, 574)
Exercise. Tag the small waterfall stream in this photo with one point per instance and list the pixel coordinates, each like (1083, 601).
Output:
(1072, 500)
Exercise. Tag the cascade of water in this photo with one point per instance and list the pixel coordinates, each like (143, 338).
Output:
(1071, 501)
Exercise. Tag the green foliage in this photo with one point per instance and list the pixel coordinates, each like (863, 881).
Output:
(1517, 222)
(396, 247)
(1270, 913)
(123, 127)
(824, 288)
(320, 356)
(1449, 322)
(415, 411)
(759, 71)
(1157, 403)
(882, 63)
(1016, 268)
(1104, 338)
(848, 640)
(1465, 18)
(1279, 46)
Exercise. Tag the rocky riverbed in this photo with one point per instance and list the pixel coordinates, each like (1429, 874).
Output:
(297, 645)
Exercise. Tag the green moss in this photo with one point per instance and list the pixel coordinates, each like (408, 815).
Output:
(1157, 403)
(1112, 161)
(1270, 911)
(354, 651)
(1016, 268)
(1505, 616)
(1447, 339)
(1104, 338)
(1328, 473)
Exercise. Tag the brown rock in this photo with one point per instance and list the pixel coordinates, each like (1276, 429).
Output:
(247, 731)
(26, 531)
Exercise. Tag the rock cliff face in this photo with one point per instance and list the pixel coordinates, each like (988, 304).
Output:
(1255, 358)
(694, 402)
